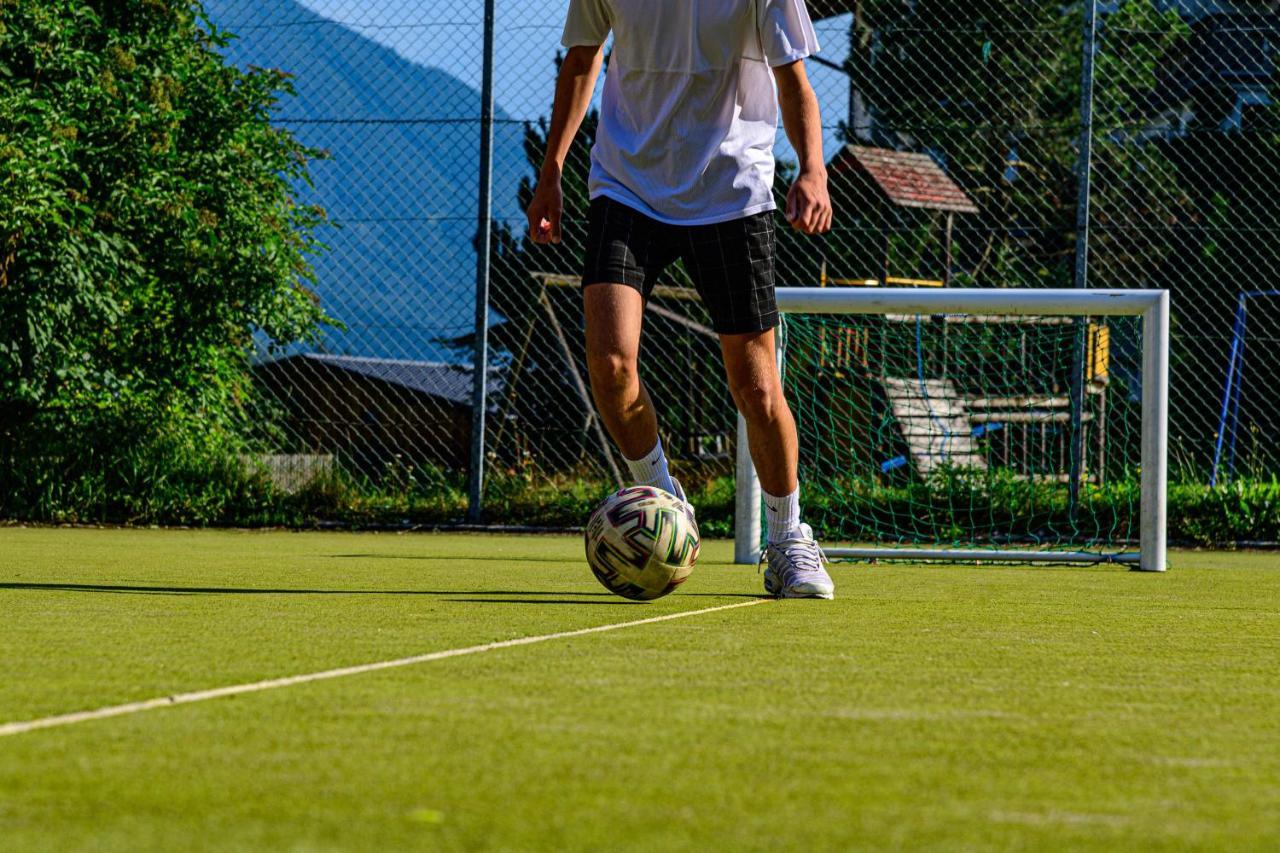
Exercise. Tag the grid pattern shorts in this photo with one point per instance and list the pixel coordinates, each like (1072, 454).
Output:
(731, 263)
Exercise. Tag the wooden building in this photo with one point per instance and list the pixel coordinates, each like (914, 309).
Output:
(375, 414)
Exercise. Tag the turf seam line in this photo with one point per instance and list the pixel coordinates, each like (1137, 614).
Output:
(20, 727)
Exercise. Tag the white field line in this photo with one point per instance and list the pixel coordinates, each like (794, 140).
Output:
(20, 727)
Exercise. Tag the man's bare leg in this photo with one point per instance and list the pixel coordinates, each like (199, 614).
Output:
(795, 561)
(752, 369)
(615, 315)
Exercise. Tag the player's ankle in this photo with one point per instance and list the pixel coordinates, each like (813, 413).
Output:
(782, 515)
(651, 469)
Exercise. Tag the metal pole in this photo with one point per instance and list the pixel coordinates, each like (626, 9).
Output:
(1155, 435)
(1228, 391)
(1017, 301)
(746, 507)
(1236, 393)
(484, 216)
(1084, 163)
(948, 250)
(1084, 171)
(748, 496)
(918, 555)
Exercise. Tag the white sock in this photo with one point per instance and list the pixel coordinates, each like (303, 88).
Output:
(782, 515)
(651, 470)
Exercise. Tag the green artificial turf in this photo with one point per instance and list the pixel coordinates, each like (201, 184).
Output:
(927, 707)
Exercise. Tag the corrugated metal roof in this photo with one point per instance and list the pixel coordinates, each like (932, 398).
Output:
(905, 178)
(450, 382)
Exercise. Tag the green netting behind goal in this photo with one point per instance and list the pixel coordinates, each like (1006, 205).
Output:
(966, 431)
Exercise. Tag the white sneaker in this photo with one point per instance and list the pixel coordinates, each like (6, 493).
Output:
(688, 507)
(796, 568)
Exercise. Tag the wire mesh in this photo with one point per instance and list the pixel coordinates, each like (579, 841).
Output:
(387, 390)
(958, 430)
(954, 136)
(1184, 198)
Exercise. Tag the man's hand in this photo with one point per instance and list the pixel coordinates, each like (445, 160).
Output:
(808, 204)
(577, 80)
(545, 210)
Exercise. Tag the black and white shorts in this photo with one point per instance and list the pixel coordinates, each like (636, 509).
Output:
(731, 263)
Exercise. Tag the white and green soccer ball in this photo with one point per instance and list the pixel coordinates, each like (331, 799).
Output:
(642, 543)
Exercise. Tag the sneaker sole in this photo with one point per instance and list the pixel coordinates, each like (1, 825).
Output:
(772, 587)
(827, 595)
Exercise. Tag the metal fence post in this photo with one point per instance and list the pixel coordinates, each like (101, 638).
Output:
(1084, 169)
(480, 363)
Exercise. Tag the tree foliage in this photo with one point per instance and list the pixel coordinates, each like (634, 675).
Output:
(992, 90)
(148, 229)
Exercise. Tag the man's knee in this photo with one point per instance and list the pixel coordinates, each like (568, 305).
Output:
(613, 373)
(758, 401)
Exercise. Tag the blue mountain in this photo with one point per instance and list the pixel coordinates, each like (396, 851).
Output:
(401, 179)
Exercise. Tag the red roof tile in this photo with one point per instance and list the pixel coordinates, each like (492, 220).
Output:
(904, 178)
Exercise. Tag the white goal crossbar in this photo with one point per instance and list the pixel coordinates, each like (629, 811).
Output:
(1151, 305)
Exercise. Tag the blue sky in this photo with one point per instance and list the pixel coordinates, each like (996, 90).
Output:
(448, 34)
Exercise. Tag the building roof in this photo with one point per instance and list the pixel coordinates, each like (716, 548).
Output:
(450, 382)
(903, 178)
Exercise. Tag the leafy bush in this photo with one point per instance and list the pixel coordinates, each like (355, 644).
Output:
(148, 227)
(1236, 513)
(955, 507)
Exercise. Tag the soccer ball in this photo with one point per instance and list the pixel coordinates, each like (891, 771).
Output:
(642, 543)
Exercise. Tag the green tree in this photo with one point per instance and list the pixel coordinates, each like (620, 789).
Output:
(989, 89)
(1135, 182)
(1228, 156)
(149, 228)
(992, 90)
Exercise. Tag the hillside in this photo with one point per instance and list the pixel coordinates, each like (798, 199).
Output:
(402, 178)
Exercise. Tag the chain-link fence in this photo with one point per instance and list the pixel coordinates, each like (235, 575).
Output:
(1128, 144)
(1183, 197)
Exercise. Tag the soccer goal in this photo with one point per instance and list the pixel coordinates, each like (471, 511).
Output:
(1018, 425)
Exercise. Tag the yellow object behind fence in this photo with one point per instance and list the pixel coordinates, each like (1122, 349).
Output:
(1099, 352)
(875, 282)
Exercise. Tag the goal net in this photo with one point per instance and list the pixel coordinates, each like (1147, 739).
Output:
(976, 424)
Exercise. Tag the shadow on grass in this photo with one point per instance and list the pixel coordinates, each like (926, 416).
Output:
(220, 590)
(598, 603)
(446, 558)
(612, 599)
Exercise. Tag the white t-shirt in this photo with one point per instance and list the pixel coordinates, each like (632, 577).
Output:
(690, 110)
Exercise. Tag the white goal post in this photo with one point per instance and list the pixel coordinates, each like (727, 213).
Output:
(1151, 305)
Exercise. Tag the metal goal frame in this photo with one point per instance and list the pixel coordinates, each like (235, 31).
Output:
(1151, 305)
